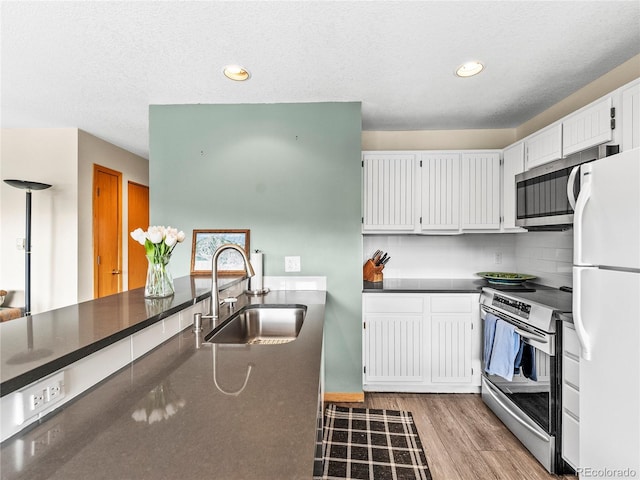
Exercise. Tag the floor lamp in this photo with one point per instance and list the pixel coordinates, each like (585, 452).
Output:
(28, 186)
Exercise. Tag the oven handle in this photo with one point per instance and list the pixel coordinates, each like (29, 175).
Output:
(523, 333)
(531, 336)
(513, 414)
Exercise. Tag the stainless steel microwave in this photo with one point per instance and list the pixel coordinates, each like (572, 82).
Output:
(546, 195)
(543, 195)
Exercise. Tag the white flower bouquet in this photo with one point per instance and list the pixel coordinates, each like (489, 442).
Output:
(159, 243)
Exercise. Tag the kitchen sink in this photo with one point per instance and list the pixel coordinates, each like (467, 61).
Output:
(261, 324)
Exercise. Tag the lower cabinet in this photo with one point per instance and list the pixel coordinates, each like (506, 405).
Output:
(421, 342)
(570, 395)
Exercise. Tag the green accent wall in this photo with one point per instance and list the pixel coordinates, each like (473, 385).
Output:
(291, 173)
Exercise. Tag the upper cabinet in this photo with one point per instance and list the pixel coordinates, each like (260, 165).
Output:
(389, 192)
(440, 191)
(630, 115)
(513, 164)
(480, 199)
(590, 126)
(431, 191)
(544, 146)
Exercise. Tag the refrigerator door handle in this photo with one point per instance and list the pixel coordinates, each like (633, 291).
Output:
(570, 184)
(583, 199)
(583, 336)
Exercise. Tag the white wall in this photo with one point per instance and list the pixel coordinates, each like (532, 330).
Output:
(442, 256)
(547, 255)
(46, 156)
(62, 219)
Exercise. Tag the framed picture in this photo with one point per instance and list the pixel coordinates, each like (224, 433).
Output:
(205, 243)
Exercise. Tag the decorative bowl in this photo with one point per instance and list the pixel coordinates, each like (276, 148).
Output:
(506, 278)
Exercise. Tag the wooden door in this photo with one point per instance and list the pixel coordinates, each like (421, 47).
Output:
(107, 231)
(138, 217)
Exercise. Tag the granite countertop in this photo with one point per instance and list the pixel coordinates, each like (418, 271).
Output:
(189, 410)
(35, 346)
(425, 285)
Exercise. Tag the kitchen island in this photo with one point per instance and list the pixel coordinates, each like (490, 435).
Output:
(189, 409)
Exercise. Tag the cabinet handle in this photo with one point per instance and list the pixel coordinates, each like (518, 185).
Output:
(115, 272)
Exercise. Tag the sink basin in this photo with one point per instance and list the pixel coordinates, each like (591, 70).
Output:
(264, 324)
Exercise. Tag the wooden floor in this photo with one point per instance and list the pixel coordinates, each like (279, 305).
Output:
(462, 438)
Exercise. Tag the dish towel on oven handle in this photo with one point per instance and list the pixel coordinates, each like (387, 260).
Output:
(506, 344)
(489, 332)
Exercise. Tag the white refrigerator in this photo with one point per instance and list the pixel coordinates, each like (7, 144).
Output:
(606, 313)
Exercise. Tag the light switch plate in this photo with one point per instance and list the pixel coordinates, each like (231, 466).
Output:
(291, 264)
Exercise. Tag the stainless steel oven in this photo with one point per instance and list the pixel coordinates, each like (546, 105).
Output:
(529, 403)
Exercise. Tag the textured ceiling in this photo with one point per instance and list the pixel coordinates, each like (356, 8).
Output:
(99, 65)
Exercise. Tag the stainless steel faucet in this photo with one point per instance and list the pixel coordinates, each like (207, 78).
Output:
(215, 300)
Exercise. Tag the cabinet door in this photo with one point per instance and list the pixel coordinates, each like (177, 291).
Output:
(587, 128)
(440, 191)
(389, 191)
(393, 348)
(545, 146)
(451, 339)
(513, 164)
(630, 117)
(481, 190)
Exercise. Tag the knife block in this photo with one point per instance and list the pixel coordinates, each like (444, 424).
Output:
(371, 272)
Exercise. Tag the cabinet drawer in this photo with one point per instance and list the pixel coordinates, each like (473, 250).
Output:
(384, 303)
(451, 303)
(571, 372)
(571, 400)
(570, 341)
(570, 440)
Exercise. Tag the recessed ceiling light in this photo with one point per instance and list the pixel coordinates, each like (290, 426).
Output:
(469, 69)
(236, 72)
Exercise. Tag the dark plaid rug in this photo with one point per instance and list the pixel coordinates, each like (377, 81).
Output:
(371, 444)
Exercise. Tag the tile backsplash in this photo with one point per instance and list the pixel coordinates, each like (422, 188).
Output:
(548, 255)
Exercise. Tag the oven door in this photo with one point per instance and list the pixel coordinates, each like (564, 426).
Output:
(529, 408)
(534, 397)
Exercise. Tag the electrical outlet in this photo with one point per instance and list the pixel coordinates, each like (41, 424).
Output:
(291, 264)
(40, 396)
(498, 258)
(36, 400)
(20, 243)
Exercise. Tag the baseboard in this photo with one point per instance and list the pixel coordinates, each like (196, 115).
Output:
(344, 397)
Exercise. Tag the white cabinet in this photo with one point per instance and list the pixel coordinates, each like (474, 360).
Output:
(570, 396)
(480, 199)
(630, 116)
(440, 191)
(421, 342)
(544, 146)
(389, 192)
(431, 191)
(455, 339)
(588, 127)
(512, 165)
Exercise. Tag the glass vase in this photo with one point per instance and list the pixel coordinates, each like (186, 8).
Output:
(159, 282)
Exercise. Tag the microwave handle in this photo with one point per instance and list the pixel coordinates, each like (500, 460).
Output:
(570, 183)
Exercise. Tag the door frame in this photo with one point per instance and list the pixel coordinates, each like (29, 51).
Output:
(99, 168)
